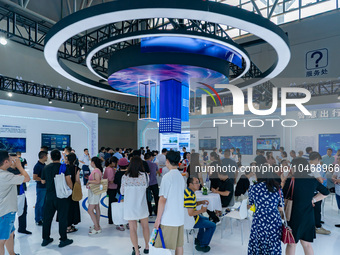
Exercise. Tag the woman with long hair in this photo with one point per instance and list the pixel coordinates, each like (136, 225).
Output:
(270, 159)
(266, 229)
(109, 174)
(194, 169)
(93, 200)
(134, 184)
(302, 220)
(74, 209)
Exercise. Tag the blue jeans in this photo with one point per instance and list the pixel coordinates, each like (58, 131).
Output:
(206, 230)
(39, 204)
(338, 200)
(86, 173)
(7, 225)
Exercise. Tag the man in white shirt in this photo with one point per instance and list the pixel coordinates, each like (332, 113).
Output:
(86, 160)
(8, 199)
(170, 215)
(161, 158)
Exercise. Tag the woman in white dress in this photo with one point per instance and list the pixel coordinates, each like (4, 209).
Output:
(134, 184)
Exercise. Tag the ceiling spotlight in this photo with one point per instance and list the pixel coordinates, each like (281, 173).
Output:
(3, 40)
(10, 94)
(82, 106)
(49, 101)
(107, 110)
(128, 114)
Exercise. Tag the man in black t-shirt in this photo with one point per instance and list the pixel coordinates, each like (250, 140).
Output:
(225, 190)
(53, 204)
(40, 188)
(260, 159)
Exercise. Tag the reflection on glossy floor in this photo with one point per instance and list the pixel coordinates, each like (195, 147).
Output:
(112, 241)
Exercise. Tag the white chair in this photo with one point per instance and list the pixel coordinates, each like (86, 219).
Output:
(189, 223)
(239, 215)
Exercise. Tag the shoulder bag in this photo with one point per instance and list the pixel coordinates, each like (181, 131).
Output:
(77, 193)
(287, 235)
(289, 200)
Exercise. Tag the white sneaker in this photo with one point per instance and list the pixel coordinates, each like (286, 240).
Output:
(94, 232)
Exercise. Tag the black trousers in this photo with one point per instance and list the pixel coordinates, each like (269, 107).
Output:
(23, 219)
(112, 198)
(51, 206)
(154, 190)
(86, 173)
(213, 216)
(317, 214)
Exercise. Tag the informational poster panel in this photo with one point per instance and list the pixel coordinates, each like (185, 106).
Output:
(302, 142)
(175, 142)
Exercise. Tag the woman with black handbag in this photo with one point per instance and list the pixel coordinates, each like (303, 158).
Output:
(302, 220)
(74, 209)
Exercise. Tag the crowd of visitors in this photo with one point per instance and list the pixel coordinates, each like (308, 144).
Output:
(164, 185)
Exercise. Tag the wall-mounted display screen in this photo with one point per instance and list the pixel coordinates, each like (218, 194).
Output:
(329, 141)
(268, 144)
(54, 141)
(207, 144)
(244, 143)
(13, 145)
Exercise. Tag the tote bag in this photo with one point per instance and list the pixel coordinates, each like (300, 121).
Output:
(159, 251)
(101, 188)
(61, 188)
(77, 194)
(118, 212)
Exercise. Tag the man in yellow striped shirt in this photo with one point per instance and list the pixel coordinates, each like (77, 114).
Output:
(206, 227)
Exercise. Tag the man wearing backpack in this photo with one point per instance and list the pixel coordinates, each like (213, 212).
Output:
(53, 203)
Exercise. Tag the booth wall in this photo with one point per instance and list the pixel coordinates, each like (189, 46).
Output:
(35, 120)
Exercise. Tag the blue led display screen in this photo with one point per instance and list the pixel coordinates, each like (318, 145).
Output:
(329, 141)
(244, 143)
(207, 144)
(126, 80)
(190, 45)
(54, 141)
(13, 145)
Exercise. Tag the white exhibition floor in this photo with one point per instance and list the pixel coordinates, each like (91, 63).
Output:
(112, 241)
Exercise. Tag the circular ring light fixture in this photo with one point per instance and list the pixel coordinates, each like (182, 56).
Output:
(106, 43)
(214, 12)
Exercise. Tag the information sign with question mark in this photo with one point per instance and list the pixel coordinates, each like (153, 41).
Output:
(316, 59)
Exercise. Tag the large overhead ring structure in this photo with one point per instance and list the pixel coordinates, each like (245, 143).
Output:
(196, 10)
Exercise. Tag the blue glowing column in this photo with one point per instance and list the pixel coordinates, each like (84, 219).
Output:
(170, 104)
(185, 103)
